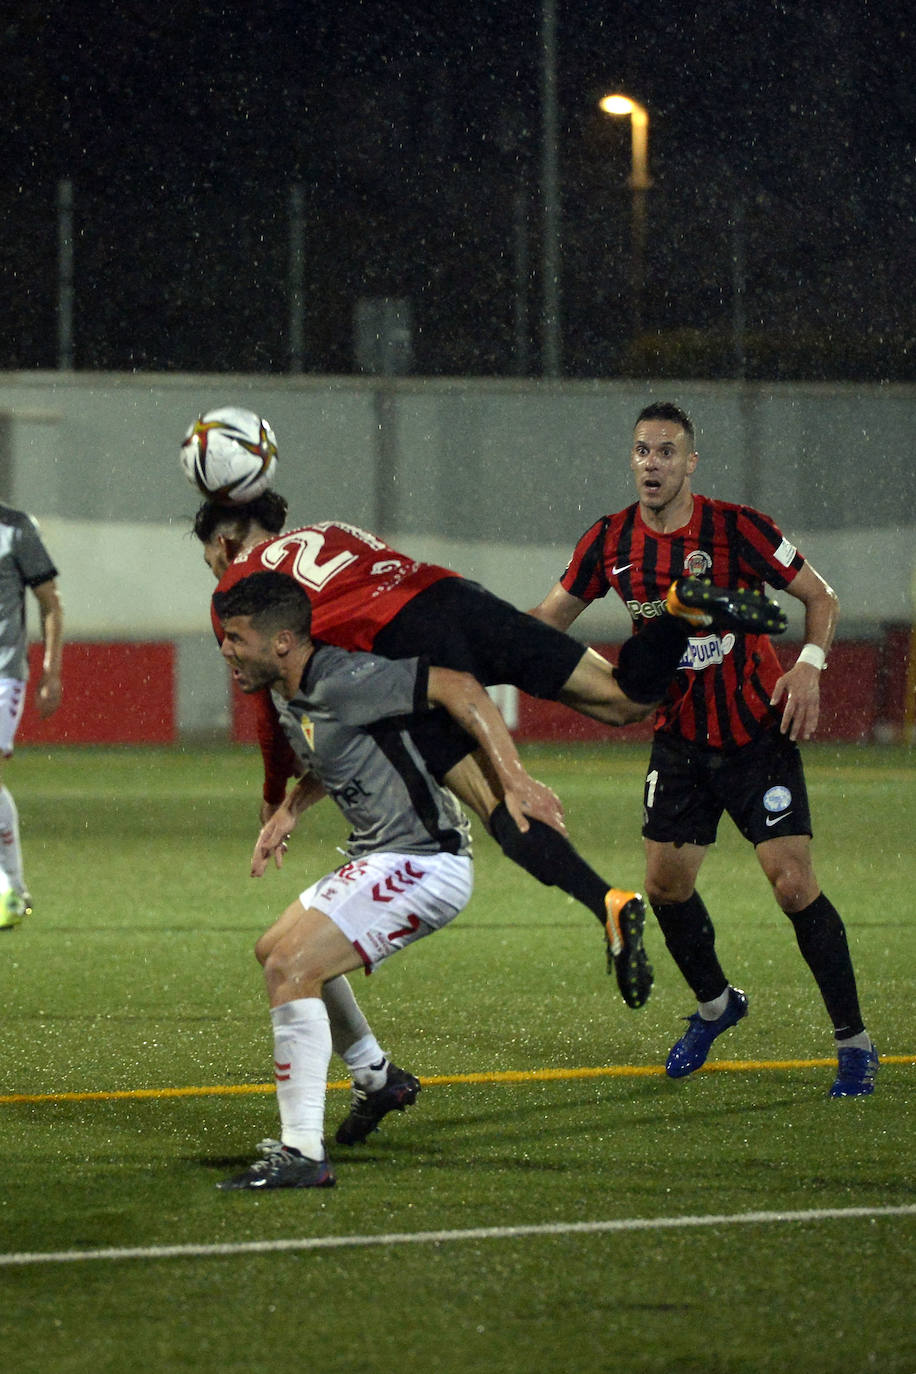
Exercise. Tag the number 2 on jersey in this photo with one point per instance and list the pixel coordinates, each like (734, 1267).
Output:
(306, 568)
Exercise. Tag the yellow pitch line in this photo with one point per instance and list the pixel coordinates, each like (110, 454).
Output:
(447, 1080)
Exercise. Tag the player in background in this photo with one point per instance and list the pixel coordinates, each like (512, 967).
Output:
(725, 736)
(24, 564)
(408, 868)
(366, 595)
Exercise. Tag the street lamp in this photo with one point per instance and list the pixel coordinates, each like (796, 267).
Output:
(640, 182)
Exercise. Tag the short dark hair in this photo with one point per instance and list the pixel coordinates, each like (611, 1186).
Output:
(268, 510)
(667, 410)
(273, 600)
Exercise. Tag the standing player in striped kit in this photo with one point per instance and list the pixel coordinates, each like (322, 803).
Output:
(725, 736)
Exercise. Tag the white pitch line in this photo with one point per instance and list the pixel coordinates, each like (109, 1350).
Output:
(560, 1228)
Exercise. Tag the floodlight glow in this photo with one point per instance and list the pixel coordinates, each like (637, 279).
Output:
(616, 104)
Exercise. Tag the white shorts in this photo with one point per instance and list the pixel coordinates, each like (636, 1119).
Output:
(12, 704)
(384, 902)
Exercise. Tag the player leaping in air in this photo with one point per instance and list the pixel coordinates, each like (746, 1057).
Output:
(367, 596)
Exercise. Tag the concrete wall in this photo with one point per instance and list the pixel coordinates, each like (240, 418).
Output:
(496, 478)
(521, 462)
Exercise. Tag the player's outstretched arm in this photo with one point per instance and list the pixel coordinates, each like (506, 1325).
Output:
(49, 691)
(468, 703)
(800, 686)
(277, 828)
(559, 608)
(280, 763)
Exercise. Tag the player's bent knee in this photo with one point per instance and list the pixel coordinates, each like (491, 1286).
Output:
(794, 890)
(660, 893)
(295, 971)
(632, 712)
(792, 880)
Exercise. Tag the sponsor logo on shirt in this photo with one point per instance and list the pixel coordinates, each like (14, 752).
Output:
(706, 651)
(350, 794)
(785, 553)
(645, 610)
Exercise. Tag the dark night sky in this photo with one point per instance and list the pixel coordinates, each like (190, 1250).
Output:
(182, 128)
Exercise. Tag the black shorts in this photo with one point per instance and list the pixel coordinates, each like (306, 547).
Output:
(761, 786)
(458, 624)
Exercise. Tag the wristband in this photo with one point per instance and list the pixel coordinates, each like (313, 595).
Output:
(813, 654)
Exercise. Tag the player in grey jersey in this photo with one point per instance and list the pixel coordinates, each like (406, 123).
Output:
(24, 563)
(378, 780)
(408, 870)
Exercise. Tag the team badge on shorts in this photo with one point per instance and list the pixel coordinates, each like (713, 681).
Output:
(777, 799)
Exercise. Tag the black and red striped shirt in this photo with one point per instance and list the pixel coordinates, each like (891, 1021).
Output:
(356, 584)
(721, 694)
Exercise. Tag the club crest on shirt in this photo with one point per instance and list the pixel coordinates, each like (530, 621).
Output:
(697, 563)
(308, 729)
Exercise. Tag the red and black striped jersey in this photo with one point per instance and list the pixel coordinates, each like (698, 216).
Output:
(721, 694)
(356, 584)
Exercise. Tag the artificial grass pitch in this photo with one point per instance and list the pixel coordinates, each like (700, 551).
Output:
(543, 1104)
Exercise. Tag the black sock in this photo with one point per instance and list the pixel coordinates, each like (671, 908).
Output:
(821, 938)
(548, 856)
(691, 941)
(648, 660)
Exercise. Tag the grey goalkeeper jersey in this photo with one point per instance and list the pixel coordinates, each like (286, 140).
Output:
(24, 562)
(349, 724)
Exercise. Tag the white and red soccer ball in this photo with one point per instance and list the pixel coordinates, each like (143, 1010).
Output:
(230, 455)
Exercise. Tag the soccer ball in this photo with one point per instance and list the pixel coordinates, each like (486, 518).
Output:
(230, 455)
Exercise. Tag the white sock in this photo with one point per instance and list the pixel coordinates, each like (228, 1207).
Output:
(862, 1041)
(302, 1053)
(10, 850)
(352, 1037)
(711, 1011)
(367, 1063)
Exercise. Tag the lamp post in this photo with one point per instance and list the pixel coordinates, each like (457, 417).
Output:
(640, 182)
(552, 343)
(65, 275)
